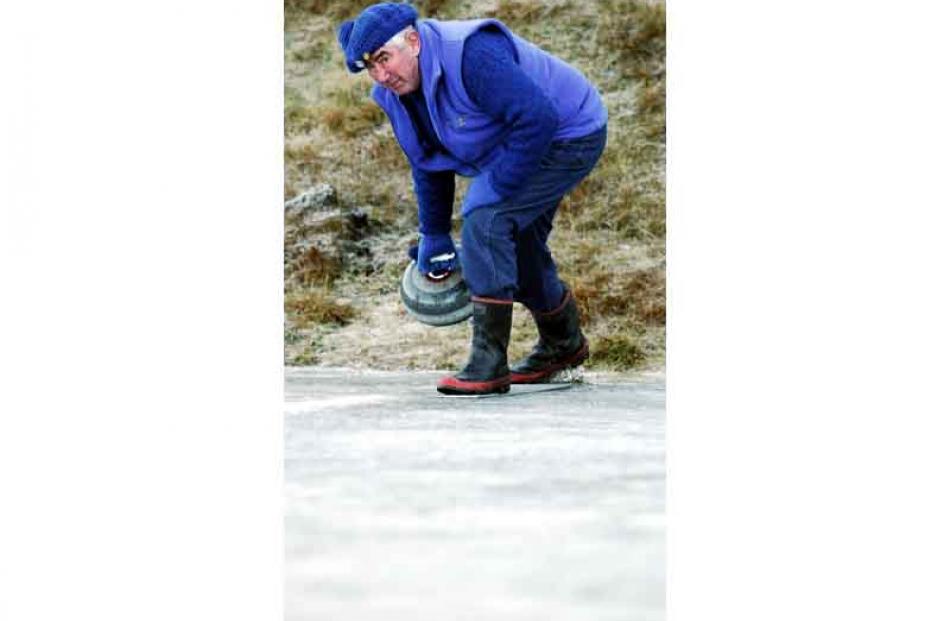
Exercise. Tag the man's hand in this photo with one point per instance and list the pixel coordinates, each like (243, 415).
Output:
(435, 254)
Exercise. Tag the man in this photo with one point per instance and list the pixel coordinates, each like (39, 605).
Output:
(472, 98)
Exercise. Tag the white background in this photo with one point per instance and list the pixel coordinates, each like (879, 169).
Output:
(141, 324)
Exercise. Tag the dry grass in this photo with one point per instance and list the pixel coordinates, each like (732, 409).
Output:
(631, 294)
(348, 110)
(308, 307)
(311, 266)
(298, 10)
(519, 12)
(618, 351)
(609, 240)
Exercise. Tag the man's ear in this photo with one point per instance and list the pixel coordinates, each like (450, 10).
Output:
(412, 37)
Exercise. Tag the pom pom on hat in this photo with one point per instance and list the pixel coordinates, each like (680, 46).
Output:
(371, 30)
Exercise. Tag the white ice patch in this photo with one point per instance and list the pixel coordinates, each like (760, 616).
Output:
(326, 403)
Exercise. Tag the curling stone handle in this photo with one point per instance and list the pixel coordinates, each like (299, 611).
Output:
(437, 276)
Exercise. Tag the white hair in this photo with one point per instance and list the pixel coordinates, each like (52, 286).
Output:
(399, 39)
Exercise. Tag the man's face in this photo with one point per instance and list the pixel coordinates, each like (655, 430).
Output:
(397, 67)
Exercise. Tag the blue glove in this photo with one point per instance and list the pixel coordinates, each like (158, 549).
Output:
(435, 253)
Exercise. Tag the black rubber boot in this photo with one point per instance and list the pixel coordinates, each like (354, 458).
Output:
(561, 344)
(487, 367)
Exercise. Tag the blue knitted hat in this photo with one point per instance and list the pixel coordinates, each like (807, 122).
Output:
(371, 29)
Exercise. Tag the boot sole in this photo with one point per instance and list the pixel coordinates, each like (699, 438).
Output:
(538, 377)
(453, 386)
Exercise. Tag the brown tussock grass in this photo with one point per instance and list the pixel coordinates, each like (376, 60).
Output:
(631, 294)
(312, 267)
(307, 307)
(520, 12)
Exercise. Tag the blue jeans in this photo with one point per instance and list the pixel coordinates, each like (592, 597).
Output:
(505, 252)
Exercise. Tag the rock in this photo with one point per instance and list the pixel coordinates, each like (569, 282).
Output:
(321, 196)
(320, 221)
(324, 238)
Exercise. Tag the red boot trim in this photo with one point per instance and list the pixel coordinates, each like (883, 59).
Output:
(538, 377)
(451, 385)
(567, 296)
(476, 298)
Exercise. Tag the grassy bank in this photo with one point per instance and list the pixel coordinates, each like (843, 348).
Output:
(342, 269)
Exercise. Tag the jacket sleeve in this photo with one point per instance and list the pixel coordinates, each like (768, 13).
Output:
(496, 83)
(435, 194)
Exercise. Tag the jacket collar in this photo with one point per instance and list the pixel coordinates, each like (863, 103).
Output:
(429, 65)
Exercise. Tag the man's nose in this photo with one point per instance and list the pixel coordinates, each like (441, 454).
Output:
(379, 74)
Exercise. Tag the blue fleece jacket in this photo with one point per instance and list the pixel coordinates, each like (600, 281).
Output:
(495, 82)
(489, 106)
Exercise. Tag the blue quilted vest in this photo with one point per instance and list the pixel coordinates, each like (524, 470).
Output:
(472, 138)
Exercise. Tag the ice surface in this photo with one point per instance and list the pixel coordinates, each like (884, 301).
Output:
(402, 504)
